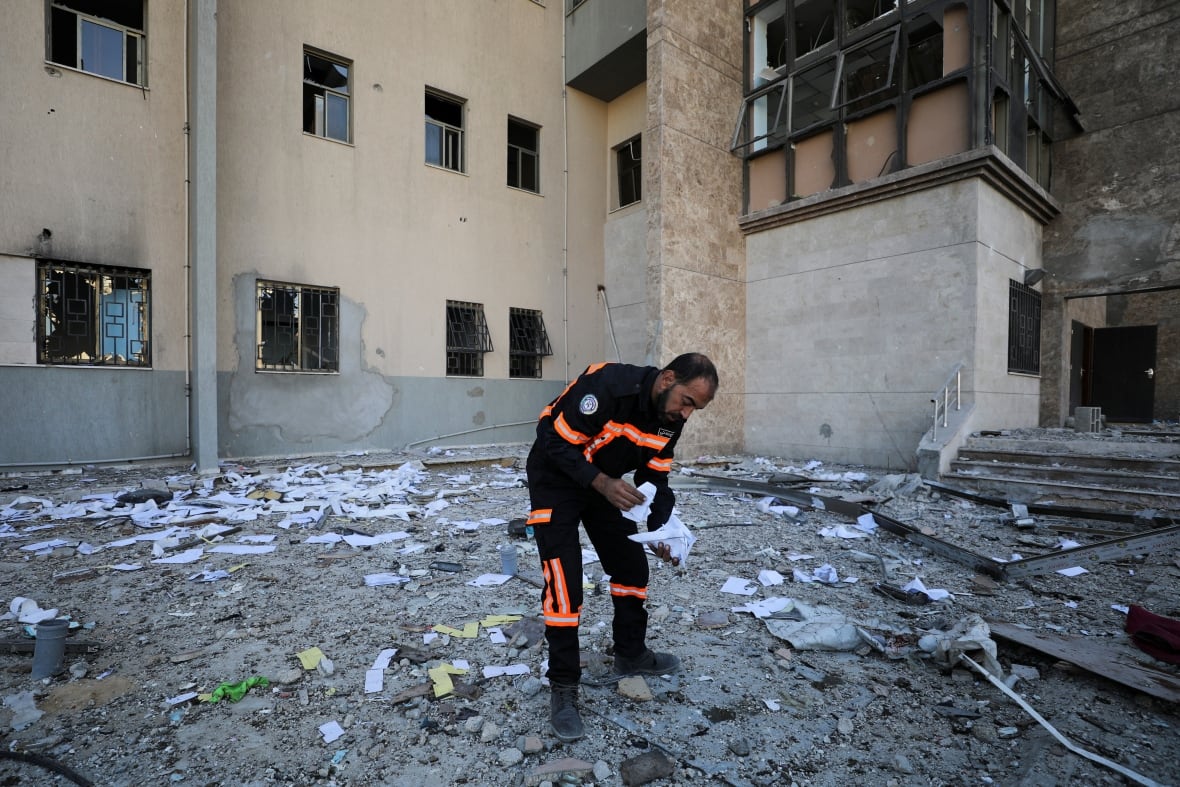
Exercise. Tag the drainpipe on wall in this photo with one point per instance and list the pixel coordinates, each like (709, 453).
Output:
(202, 244)
(565, 212)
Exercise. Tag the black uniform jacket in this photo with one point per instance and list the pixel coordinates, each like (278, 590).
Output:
(605, 421)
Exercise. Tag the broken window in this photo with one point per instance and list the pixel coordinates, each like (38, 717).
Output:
(444, 131)
(99, 37)
(326, 96)
(1024, 328)
(528, 342)
(763, 122)
(861, 13)
(629, 169)
(298, 328)
(865, 71)
(92, 315)
(523, 156)
(468, 339)
(768, 43)
(814, 26)
(811, 95)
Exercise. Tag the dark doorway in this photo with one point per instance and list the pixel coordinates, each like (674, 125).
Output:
(1123, 383)
(1081, 359)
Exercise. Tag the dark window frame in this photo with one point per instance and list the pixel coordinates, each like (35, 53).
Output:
(524, 162)
(321, 89)
(298, 328)
(70, 23)
(629, 171)
(83, 321)
(468, 339)
(528, 343)
(445, 131)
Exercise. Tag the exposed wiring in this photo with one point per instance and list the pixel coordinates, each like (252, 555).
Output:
(1114, 766)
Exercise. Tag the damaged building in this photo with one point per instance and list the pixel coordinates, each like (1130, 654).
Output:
(258, 229)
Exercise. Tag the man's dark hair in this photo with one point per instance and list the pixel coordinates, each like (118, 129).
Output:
(691, 366)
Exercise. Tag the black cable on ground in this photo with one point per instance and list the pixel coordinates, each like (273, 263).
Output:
(42, 761)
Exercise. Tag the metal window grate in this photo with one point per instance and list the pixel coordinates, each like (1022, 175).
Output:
(1024, 328)
(298, 328)
(468, 338)
(528, 342)
(91, 315)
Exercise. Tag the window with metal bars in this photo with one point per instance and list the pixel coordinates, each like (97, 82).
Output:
(1024, 328)
(93, 315)
(298, 328)
(468, 339)
(103, 38)
(528, 342)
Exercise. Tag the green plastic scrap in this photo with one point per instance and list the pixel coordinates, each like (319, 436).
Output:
(235, 691)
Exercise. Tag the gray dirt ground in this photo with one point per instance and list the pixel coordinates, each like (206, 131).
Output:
(748, 709)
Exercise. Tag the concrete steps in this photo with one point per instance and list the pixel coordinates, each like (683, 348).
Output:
(1106, 470)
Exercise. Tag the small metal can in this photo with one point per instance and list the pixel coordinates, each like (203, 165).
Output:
(508, 559)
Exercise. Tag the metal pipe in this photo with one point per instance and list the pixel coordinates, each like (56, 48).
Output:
(469, 431)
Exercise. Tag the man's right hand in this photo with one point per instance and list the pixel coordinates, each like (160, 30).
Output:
(618, 492)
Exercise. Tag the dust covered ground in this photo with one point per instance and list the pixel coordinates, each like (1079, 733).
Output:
(152, 640)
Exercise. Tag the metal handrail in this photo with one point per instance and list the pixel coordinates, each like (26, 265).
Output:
(943, 399)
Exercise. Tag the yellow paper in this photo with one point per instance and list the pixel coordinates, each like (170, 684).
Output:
(441, 676)
(469, 630)
(498, 620)
(310, 658)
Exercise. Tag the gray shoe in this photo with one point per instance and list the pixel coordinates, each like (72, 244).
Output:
(647, 663)
(563, 713)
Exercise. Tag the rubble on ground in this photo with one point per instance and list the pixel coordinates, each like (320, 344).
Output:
(344, 620)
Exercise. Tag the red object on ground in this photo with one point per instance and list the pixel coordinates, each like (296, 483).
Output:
(1154, 634)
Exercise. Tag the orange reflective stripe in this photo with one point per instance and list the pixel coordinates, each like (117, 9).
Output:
(555, 598)
(626, 590)
(541, 516)
(612, 429)
(660, 465)
(571, 435)
(561, 620)
(548, 409)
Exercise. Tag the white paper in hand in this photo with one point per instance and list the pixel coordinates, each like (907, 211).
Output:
(639, 513)
(673, 533)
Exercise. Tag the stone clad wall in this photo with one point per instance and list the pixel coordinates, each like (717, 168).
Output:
(693, 191)
(1119, 181)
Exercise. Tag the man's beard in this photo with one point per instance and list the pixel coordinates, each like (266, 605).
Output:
(671, 419)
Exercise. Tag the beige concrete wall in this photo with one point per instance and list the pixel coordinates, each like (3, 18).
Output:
(18, 310)
(396, 235)
(693, 193)
(625, 239)
(98, 163)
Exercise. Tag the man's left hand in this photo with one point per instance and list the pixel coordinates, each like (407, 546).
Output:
(664, 553)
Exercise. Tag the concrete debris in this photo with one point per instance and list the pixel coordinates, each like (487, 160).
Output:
(822, 683)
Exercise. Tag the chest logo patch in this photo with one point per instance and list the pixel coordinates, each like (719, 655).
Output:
(666, 432)
(589, 404)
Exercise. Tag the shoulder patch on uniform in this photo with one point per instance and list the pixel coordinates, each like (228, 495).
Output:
(589, 404)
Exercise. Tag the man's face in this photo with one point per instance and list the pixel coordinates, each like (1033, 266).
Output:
(677, 401)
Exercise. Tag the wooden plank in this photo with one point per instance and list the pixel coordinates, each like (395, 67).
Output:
(1104, 660)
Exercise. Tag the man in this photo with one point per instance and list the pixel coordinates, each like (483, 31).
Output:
(613, 419)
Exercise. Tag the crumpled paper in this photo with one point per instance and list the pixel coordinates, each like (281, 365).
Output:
(674, 533)
(967, 636)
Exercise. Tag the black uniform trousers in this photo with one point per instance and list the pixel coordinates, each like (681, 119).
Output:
(557, 510)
